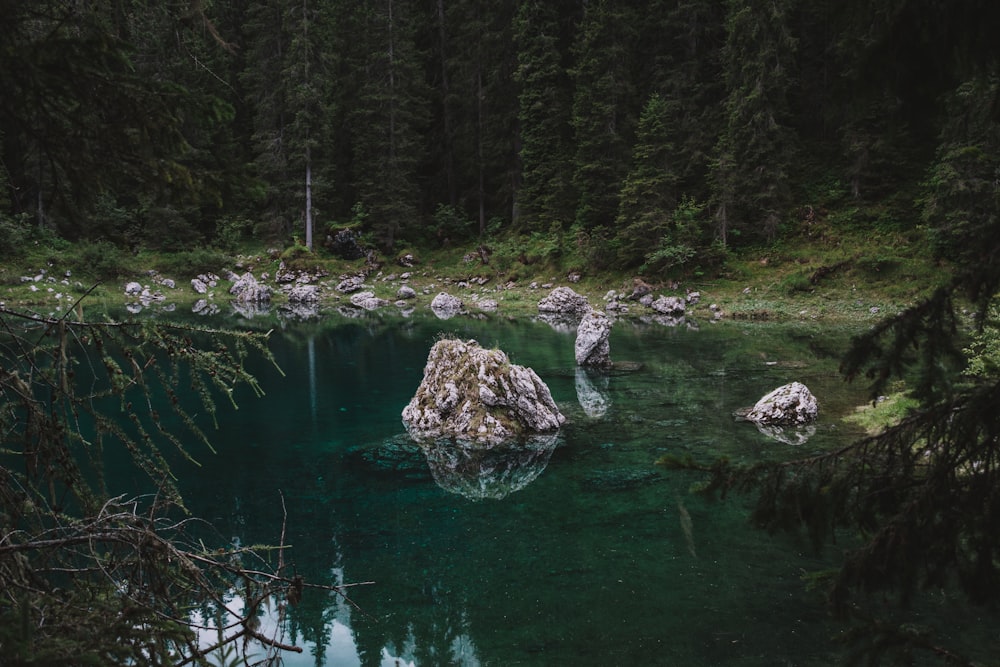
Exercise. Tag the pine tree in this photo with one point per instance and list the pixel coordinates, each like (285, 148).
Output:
(83, 113)
(289, 76)
(755, 152)
(603, 110)
(308, 74)
(680, 46)
(649, 194)
(388, 117)
(545, 196)
(471, 158)
(924, 494)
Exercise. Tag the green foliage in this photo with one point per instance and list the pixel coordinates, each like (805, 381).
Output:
(669, 256)
(388, 116)
(683, 239)
(14, 234)
(885, 412)
(170, 229)
(593, 250)
(102, 260)
(536, 248)
(546, 194)
(649, 192)
(983, 352)
(601, 120)
(450, 225)
(296, 252)
(72, 396)
(961, 200)
(192, 262)
(111, 221)
(156, 132)
(755, 151)
(795, 283)
(231, 231)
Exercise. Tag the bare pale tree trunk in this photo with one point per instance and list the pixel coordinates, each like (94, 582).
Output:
(309, 205)
(481, 194)
(309, 211)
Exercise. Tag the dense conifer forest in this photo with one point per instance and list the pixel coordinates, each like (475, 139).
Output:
(637, 133)
(656, 137)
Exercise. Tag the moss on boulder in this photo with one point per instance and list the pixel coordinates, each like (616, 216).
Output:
(477, 396)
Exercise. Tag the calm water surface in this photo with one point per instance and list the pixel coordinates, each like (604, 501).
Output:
(602, 558)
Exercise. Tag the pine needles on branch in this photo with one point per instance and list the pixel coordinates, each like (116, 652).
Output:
(90, 578)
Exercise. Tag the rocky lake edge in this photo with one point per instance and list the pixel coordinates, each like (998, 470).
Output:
(256, 285)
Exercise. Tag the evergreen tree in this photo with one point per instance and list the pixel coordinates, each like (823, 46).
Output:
(83, 113)
(388, 117)
(680, 47)
(308, 75)
(961, 202)
(649, 194)
(478, 110)
(603, 109)
(289, 77)
(545, 195)
(755, 152)
(924, 494)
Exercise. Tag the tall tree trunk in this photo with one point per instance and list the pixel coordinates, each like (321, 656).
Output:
(446, 115)
(309, 210)
(480, 160)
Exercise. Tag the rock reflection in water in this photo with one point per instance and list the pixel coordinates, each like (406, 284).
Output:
(478, 472)
(592, 392)
(793, 435)
(564, 323)
(251, 309)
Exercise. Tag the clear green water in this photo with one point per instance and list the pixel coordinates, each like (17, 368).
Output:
(602, 559)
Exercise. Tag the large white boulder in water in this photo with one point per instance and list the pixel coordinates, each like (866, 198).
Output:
(789, 404)
(592, 348)
(477, 396)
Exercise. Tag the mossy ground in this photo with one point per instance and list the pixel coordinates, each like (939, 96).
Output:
(818, 276)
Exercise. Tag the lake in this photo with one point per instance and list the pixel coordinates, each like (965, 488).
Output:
(586, 554)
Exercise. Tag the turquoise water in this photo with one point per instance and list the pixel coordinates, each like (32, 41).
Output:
(601, 558)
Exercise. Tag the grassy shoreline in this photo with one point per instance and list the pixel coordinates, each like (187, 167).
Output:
(844, 280)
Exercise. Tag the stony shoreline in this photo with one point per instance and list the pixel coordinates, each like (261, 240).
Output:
(413, 289)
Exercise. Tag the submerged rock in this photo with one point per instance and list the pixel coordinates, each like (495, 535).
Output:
(621, 479)
(790, 404)
(479, 473)
(398, 456)
(797, 435)
(477, 396)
